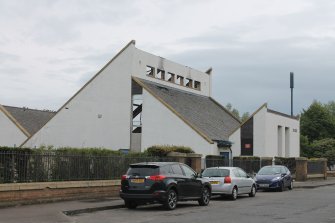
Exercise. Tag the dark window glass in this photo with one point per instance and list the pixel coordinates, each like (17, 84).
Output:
(166, 170)
(215, 173)
(188, 171)
(143, 171)
(176, 169)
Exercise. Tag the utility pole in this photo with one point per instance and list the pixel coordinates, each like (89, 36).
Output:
(291, 86)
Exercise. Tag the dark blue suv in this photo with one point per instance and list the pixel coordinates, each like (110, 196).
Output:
(163, 182)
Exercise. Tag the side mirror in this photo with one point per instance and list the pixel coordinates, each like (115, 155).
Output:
(248, 176)
(283, 174)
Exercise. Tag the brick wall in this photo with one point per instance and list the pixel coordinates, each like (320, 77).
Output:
(27, 193)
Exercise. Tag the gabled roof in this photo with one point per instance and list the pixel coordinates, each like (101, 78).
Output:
(28, 120)
(206, 116)
(265, 105)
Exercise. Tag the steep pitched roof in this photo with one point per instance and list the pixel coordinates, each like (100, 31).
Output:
(206, 116)
(30, 119)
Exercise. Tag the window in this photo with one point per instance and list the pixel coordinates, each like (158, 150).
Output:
(170, 77)
(166, 170)
(180, 80)
(150, 71)
(242, 173)
(160, 74)
(189, 83)
(188, 171)
(176, 169)
(236, 173)
(197, 85)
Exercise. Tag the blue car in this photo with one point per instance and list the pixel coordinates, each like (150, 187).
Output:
(274, 177)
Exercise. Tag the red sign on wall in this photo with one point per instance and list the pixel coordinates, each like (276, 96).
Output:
(247, 146)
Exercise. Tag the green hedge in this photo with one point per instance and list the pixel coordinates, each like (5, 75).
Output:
(163, 150)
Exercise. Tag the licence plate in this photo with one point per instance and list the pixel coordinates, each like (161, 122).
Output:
(137, 181)
(214, 182)
(264, 185)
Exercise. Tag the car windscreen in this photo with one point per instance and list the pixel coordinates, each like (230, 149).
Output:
(215, 173)
(143, 171)
(269, 170)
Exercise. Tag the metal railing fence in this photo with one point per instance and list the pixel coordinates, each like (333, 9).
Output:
(17, 167)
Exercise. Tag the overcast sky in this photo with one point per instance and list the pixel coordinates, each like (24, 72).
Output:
(49, 49)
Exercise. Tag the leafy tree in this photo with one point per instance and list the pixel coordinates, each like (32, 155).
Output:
(236, 113)
(317, 123)
(245, 116)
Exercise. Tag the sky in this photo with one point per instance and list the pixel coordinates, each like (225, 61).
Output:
(50, 48)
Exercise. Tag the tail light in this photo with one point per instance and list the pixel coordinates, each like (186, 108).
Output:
(227, 180)
(124, 177)
(157, 177)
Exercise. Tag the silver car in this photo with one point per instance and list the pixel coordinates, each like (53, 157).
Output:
(231, 181)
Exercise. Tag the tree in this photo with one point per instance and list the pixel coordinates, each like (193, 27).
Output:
(245, 116)
(317, 123)
(236, 113)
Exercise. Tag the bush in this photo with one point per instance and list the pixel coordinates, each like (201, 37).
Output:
(163, 150)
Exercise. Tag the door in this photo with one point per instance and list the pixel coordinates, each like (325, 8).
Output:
(193, 185)
(245, 181)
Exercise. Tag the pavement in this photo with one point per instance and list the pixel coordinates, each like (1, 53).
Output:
(314, 183)
(62, 211)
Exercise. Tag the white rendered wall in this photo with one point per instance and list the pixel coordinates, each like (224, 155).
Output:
(142, 59)
(160, 126)
(99, 116)
(235, 138)
(260, 133)
(272, 123)
(10, 134)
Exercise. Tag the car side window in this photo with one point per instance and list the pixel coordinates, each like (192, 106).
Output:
(166, 170)
(188, 171)
(287, 170)
(176, 169)
(283, 170)
(242, 173)
(236, 173)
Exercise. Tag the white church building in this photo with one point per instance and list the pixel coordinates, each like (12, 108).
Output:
(17, 124)
(267, 133)
(138, 100)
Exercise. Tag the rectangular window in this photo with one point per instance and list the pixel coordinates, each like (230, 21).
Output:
(170, 77)
(189, 83)
(150, 71)
(160, 74)
(180, 80)
(197, 85)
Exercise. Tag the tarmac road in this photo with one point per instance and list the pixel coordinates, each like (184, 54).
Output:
(299, 205)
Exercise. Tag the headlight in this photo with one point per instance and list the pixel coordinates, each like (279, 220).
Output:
(276, 178)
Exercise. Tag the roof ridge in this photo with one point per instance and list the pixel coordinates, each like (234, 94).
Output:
(33, 109)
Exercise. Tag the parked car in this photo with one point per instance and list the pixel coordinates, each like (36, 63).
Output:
(230, 181)
(163, 182)
(274, 177)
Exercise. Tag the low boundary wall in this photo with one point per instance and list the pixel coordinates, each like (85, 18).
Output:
(28, 193)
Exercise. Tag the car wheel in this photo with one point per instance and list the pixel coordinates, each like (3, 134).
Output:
(233, 195)
(253, 191)
(205, 197)
(291, 185)
(171, 200)
(281, 187)
(130, 204)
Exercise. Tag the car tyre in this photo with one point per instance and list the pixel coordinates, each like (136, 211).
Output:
(234, 192)
(205, 197)
(253, 191)
(171, 200)
(130, 204)
(291, 185)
